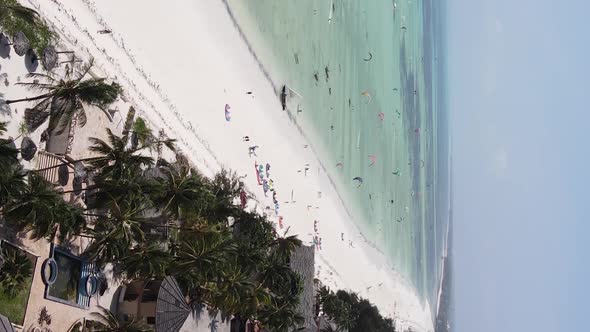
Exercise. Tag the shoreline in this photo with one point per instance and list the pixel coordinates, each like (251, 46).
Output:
(205, 157)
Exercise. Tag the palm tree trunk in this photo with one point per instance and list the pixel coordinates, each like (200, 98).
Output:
(29, 99)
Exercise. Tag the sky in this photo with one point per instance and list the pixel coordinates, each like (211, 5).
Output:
(518, 93)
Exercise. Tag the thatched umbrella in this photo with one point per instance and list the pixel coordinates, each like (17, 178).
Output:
(31, 60)
(4, 46)
(20, 42)
(77, 186)
(80, 171)
(27, 149)
(50, 58)
(63, 174)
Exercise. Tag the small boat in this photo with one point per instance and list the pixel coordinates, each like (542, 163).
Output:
(284, 97)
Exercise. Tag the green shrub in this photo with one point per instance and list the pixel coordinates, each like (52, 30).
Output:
(14, 18)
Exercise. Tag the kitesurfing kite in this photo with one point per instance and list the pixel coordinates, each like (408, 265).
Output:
(373, 159)
(368, 95)
(370, 57)
(227, 113)
(257, 174)
(358, 180)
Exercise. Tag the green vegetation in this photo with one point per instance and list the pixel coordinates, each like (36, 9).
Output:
(142, 133)
(14, 18)
(106, 321)
(152, 218)
(351, 313)
(64, 99)
(15, 282)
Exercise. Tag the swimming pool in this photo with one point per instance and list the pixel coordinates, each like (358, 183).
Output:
(74, 282)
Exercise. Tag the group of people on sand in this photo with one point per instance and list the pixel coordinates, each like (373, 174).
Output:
(317, 241)
(263, 178)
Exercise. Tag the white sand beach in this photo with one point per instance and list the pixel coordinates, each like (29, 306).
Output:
(180, 62)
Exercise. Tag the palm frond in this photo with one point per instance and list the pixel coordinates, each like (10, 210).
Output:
(47, 77)
(24, 13)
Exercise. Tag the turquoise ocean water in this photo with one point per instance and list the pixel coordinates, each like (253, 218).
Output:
(320, 50)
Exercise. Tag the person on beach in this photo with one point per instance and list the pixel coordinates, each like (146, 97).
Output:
(252, 151)
(243, 199)
(342, 236)
(267, 170)
(246, 139)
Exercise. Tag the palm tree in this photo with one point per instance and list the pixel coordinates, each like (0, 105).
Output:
(65, 98)
(12, 183)
(185, 192)
(116, 160)
(15, 270)
(146, 261)
(204, 252)
(142, 134)
(285, 246)
(116, 232)
(63, 222)
(106, 321)
(40, 209)
(8, 153)
(225, 187)
(234, 290)
(36, 201)
(280, 316)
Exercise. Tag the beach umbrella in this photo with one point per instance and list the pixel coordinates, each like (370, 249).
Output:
(63, 174)
(31, 60)
(80, 171)
(20, 42)
(50, 58)
(77, 186)
(227, 113)
(4, 46)
(28, 149)
(171, 307)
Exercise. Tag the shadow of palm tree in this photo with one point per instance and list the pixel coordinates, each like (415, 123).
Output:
(4, 109)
